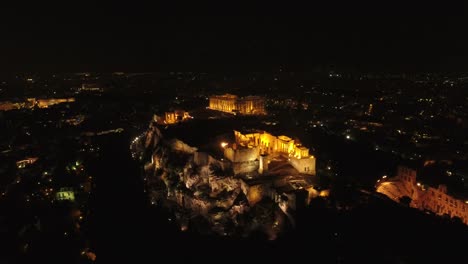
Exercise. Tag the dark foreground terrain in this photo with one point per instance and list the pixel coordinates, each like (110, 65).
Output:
(125, 227)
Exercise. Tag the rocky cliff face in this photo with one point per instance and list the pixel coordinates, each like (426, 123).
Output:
(203, 191)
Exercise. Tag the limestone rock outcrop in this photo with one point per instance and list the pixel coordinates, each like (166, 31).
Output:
(194, 183)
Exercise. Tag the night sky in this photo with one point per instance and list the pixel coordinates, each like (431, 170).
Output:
(138, 37)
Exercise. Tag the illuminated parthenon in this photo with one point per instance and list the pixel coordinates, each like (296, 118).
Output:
(229, 103)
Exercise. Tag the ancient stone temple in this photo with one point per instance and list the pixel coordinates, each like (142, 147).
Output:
(422, 197)
(261, 145)
(229, 103)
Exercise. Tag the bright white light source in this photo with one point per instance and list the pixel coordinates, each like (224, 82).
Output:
(224, 144)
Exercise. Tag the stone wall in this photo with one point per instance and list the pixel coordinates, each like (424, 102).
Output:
(257, 192)
(304, 165)
(436, 200)
(242, 154)
(245, 167)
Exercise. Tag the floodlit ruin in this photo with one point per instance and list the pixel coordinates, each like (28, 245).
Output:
(170, 118)
(262, 146)
(254, 183)
(229, 103)
(422, 197)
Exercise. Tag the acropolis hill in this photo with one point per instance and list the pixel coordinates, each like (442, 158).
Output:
(228, 178)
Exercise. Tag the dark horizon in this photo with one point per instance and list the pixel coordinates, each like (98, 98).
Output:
(170, 38)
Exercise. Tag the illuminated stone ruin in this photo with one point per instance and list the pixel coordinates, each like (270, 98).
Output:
(262, 145)
(249, 105)
(170, 118)
(423, 197)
